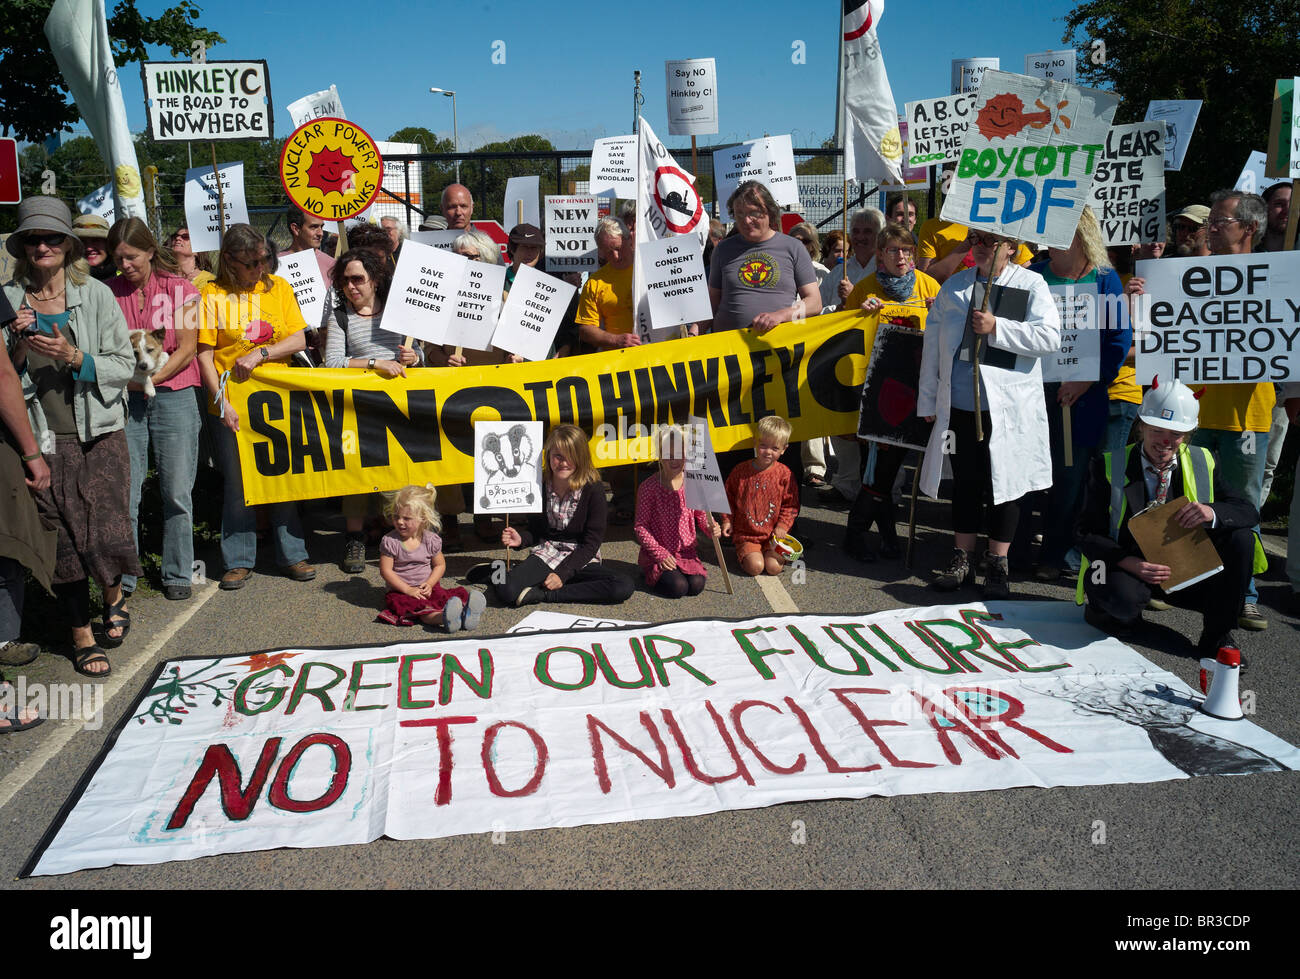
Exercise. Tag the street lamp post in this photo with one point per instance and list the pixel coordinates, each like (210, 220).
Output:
(455, 136)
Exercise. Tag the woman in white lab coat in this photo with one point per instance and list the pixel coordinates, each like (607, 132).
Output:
(1020, 326)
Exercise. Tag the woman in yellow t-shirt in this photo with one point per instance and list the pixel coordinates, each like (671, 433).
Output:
(247, 317)
(902, 295)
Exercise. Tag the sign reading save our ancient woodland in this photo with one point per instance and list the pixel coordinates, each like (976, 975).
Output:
(317, 747)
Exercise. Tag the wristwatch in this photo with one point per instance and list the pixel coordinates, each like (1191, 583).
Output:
(371, 364)
(262, 350)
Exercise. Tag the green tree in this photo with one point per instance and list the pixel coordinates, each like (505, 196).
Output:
(33, 100)
(437, 175)
(489, 182)
(1228, 53)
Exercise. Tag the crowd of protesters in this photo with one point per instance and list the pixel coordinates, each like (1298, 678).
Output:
(118, 347)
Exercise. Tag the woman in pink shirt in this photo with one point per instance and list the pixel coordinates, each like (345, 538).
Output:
(160, 302)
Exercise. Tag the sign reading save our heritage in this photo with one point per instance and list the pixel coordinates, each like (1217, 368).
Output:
(331, 168)
(323, 747)
(208, 100)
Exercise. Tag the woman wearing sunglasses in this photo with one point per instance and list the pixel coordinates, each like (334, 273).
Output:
(356, 339)
(247, 318)
(71, 338)
(982, 364)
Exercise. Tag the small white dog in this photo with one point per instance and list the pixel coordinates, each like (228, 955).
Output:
(147, 346)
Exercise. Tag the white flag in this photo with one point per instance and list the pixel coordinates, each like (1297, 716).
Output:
(873, 149)
(78, 35)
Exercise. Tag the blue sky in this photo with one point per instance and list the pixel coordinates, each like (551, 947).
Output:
(568, 66)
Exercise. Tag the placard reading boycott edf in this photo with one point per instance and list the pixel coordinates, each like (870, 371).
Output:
(1219, 320)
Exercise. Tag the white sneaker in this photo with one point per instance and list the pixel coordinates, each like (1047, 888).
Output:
(453, 614)
(474, 610)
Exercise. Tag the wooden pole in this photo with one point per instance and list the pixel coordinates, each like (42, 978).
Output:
(911, 520)
(722, 563)
(695, 171)
(221, 195)
(1067, 435)
(341, 244)
(984, 307)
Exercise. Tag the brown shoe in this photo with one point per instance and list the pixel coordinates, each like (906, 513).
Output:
(302, 571)
(235, 579)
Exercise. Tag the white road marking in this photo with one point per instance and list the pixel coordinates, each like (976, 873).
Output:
(776, 594)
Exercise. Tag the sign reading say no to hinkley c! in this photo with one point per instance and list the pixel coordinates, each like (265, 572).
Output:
(692, 97)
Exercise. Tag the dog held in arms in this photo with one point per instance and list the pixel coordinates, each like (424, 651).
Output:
(147, 348)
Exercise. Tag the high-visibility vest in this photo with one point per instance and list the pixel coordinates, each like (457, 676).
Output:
(1194, 459)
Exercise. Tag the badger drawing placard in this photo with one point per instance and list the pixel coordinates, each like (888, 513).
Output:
(507, 467)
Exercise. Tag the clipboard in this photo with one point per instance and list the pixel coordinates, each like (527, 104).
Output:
(1187, 552)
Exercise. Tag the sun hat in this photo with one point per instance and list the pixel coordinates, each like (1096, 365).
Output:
(43, 213)
(89, 226)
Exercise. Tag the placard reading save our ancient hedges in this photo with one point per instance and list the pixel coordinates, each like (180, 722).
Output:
(212, 100)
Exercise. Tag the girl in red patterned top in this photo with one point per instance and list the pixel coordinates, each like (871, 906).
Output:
(764, 500)
(666, 526)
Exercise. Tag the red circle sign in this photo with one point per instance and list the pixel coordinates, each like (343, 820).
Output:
(671, 199)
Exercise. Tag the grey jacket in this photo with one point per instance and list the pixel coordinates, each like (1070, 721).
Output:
(99, 406)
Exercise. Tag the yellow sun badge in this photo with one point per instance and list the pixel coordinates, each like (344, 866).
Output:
(891, 145)
(331, 168)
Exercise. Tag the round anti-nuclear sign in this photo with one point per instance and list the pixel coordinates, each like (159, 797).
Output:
(677, 199)
(331, 168)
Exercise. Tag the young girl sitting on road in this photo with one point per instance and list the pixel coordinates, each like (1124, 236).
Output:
(666, 526)
(411, 562)
(565, 537)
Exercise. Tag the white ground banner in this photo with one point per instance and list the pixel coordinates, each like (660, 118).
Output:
(305, 748)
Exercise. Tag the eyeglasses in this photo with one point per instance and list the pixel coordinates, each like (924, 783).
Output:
(52, 240)
(1220, 222)
(257, 263)
(749, 215)
(356, 280)
(182, 236)
(895, 252)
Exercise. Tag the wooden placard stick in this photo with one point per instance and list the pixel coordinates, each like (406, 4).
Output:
(979, 339)
(911, 520)
(1067, 435)
(221, 195)
(722, 563)
(341, 240)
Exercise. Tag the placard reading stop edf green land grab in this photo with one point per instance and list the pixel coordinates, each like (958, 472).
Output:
(1028, 159)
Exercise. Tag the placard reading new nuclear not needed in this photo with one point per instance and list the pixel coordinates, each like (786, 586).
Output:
(571, 234)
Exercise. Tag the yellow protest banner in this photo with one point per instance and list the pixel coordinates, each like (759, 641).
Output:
(306, 434)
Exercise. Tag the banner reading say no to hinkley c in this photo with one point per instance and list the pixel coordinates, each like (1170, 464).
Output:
(306, 434)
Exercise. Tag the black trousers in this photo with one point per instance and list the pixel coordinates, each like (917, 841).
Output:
(592, 585)
(972, 477)
(875, 503)
(1218, 598)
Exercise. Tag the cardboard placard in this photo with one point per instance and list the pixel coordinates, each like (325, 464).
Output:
(532, 313)
(613, 167)
(1079, 358)
(441, 240)
(100, 201)
(967, 73)
(525, 191)
(571, 234)
(422, 298)
(1188, 553)
(477, 306)
(936, 128)
(318, 105)
(673, 270)
(1252, 179)
(887, 411)
(331, 168)
(302, 272)
(1128, 191)
(211, 100)
(1179, 117)
(202, 203)
(1027, 161)
(1223, 319)
(704, 486)
(915, 177)
(544, 620)
(1055, 66)
(507, 467)
(770, 160)
(692, 97)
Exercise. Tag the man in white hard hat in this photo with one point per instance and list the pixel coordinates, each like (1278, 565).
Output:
(1116, 578)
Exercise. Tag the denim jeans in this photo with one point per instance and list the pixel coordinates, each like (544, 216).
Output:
(171, 421)
(1122, 415)
(239, 522)
(1240, 470)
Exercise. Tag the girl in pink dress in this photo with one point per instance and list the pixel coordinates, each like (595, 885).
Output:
(666, 526)
(412, 565)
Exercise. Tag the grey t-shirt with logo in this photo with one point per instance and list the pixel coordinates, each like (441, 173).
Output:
(760, 278)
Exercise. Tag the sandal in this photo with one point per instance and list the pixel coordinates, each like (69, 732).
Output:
(116, 617)
(11, 722)
(816, 482)
(90, 656)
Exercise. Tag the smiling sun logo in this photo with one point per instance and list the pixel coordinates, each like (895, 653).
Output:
(330, 171)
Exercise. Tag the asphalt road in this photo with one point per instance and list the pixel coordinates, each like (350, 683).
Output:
(1198, 833)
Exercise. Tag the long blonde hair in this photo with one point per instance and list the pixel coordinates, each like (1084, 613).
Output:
(420, 499)
(1089, 235)
(572, 441)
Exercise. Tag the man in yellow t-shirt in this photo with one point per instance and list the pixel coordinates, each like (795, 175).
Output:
(605, 316)
(942, 247)
(1236, 418)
